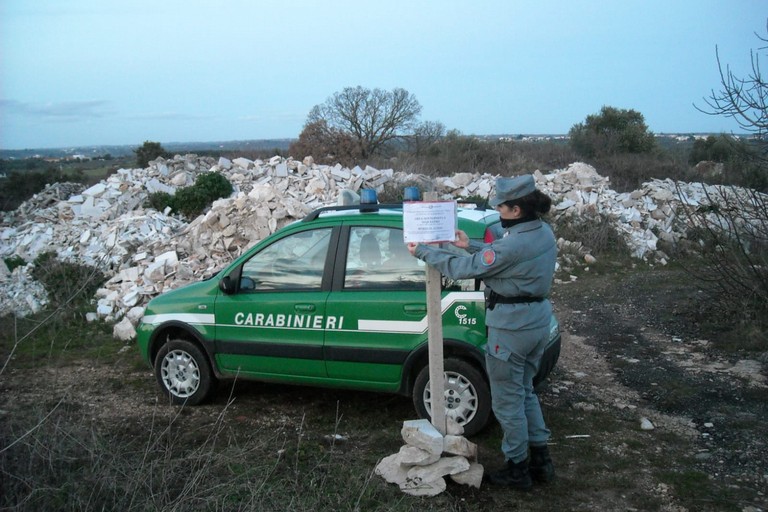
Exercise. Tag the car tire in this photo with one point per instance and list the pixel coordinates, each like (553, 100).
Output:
(468, 397)
(183, 372)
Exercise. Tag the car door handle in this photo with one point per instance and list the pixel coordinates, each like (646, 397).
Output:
(415, 308)
(304, 307)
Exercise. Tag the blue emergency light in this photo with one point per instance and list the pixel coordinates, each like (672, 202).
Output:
(368, 196)
(411, 194)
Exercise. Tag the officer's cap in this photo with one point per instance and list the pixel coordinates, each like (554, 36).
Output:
(509, 189)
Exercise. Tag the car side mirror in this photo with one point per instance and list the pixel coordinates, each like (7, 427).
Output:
(226, 285)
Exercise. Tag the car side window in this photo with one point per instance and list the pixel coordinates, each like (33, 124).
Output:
(377, 258)
(295, 262)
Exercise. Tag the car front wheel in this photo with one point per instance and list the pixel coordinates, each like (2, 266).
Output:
(183, 372)
(467, 396)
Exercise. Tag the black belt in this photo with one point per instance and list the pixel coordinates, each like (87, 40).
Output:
(494, 298)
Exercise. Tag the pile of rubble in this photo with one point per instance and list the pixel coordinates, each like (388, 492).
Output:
(146, 252)
(427, 457)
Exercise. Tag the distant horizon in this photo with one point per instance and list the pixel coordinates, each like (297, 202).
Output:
(285, 139)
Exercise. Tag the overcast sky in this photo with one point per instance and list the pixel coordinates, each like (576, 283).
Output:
(91, 72)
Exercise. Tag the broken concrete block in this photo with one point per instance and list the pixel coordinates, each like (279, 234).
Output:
(413, 456)
(422, 434)
(457, 445)
(124, 330)
(243, 163)
(444, 466)
(391, 470)
(472, 476)
(135, 314)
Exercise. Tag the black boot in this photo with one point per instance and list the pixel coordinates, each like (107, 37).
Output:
(540, 466)
(513, 475)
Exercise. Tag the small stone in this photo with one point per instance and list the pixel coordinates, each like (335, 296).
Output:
(124, 330)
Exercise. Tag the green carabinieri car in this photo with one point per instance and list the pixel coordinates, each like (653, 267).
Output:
(332, 300)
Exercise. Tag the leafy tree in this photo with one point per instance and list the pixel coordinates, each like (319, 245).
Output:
(717, 149)
(612, 131)
(17, 187)
(371, 117)
(148, 152)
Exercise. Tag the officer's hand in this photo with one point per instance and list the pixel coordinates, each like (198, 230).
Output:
(462, 240)
(412, 248)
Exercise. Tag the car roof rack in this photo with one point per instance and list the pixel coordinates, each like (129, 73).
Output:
(314, 214)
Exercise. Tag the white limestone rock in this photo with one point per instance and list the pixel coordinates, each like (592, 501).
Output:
(414, 456)
(458, 445)
(472, 477)
(422, 434)
(391, 470)
(444, 466)
(124, 330)
(135, 314)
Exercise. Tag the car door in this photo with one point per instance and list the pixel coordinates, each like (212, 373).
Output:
(379, 291)
(273, 325)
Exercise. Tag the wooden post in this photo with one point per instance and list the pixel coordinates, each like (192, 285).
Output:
(435, 343)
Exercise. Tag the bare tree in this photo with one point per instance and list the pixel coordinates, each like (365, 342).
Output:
(743, 99)
(325, 145)
(372, 117)
(731, 228)
(425, 135)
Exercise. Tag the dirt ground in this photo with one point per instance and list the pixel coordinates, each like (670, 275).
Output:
(639, 343)
(643, 390)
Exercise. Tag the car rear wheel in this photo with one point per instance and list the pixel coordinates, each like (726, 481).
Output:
(467, 396)
(183, 372)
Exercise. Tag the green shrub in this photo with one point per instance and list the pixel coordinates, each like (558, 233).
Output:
(67, 284)
(14, 261)
(213, 185)
(191, 201)
(160, 200)
(148, 152)
(19, 186)
(717, 149)
(612, 131)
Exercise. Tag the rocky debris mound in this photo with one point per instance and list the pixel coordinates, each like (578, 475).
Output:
(421, 465)
(146, 252)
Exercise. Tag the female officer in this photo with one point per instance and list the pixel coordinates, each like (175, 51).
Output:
(518, 270)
